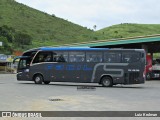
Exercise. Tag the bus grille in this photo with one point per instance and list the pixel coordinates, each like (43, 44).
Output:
(133, 77)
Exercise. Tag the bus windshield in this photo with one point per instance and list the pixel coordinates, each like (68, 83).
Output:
(23, 64)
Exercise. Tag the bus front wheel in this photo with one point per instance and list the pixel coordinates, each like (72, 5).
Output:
(107, 81)
(38, 79)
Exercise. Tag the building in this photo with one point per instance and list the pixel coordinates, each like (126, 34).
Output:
(150, 43)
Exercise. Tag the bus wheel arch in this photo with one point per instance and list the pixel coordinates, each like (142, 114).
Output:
(38, 78)
(106, 81)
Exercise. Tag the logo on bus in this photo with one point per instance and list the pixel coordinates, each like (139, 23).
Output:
(69, 67)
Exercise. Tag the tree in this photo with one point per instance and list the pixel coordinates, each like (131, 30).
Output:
(94, 27)
(23, 39)
(5, 48)
(4, 41)
(116, 34)
(7, 32)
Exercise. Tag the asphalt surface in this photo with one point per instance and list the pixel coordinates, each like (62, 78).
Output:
(27, 96)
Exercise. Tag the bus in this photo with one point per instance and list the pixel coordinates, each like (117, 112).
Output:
(105, 66)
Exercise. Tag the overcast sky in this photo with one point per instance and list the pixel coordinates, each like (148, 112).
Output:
(102, 13)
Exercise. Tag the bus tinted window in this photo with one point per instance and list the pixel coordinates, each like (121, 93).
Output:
(60, 57)
(43, 57)
(94, 56)
(130, 57)
(76, 56)
(112, 57)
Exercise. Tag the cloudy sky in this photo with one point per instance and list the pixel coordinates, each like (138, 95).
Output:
(102, 13)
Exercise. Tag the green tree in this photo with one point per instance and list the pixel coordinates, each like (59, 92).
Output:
(23, 39)
(7, 32)
(5, 48)
(4, 41)
(94, 27)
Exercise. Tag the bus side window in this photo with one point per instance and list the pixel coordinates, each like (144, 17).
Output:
(126, 58)
(60, 57)
(94, 57)
(112, 57)
(72, 58)
(130, 57)
(76, 56)
(43, 57)
(47, 58)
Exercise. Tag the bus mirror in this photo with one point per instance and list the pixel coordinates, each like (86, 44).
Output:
(19, 57)
(14, 59)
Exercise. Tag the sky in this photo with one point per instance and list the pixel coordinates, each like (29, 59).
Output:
(102, 13)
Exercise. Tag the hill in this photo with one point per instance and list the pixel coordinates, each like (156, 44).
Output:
(44, 29)
(128, 30)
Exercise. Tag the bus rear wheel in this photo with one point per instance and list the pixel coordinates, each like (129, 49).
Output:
(107, 81)
(38, 79)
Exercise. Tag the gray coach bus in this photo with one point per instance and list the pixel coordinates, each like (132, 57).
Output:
(83, 65)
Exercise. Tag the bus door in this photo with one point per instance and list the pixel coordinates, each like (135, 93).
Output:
(23, 69)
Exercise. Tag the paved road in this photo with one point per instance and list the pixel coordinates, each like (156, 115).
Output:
(17, 95)
(27, 96)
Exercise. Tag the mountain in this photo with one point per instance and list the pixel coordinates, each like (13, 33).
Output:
(44, 29)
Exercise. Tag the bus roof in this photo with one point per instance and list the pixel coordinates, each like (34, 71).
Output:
(65, 49)
(71, 48)
(76, 49)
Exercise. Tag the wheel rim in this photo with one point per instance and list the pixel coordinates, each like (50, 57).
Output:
(37, 79)
(106, 82)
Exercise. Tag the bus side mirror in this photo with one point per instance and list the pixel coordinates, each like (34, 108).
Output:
(14, 59)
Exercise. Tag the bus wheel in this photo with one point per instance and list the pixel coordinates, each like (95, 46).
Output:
(46, 82)
(107, 81)
(38, 79)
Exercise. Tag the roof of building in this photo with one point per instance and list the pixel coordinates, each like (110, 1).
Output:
(139, 39)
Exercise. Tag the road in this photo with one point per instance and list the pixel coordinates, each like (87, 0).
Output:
(17, 95)
(27, 96)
